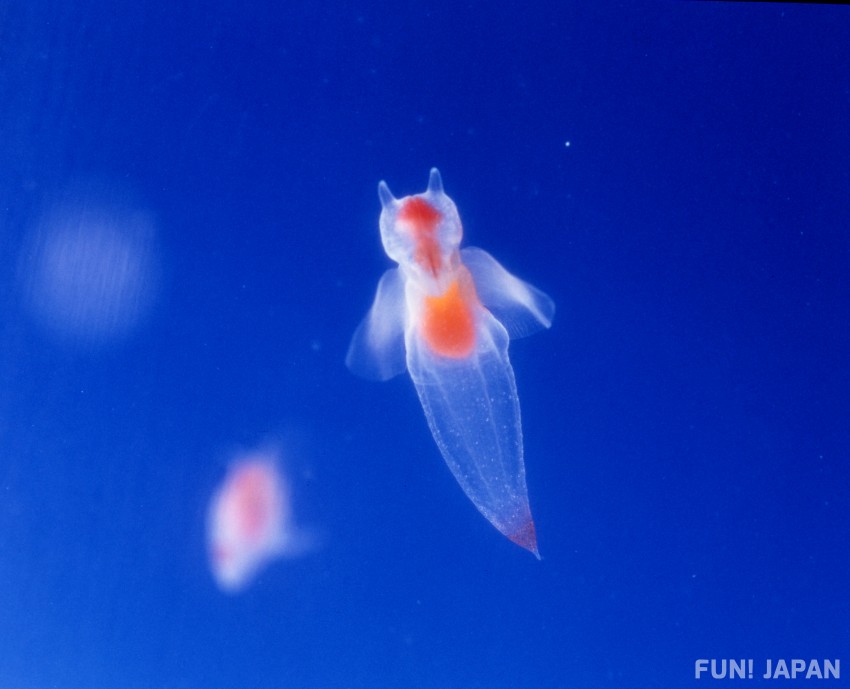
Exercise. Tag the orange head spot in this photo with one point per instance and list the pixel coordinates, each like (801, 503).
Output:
(419, 213)
(448, 325)
(423, 218)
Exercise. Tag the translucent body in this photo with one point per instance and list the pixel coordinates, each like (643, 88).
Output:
(249, 521)
(446, 315)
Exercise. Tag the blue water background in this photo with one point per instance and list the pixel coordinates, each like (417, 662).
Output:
(674, 174)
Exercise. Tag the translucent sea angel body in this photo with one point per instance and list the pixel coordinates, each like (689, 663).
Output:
(250, 521)
(446, 315)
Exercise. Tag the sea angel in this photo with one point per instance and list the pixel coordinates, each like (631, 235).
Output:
(446, 314)
(249, 521)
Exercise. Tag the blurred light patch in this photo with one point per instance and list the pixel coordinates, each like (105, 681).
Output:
(90, 270)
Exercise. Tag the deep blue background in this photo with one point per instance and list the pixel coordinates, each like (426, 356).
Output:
(686, 418)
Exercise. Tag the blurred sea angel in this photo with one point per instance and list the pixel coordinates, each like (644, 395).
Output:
(250, 521)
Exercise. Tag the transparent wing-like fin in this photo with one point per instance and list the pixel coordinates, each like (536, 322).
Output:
(377, 347)
(473, 412)
(518, 306)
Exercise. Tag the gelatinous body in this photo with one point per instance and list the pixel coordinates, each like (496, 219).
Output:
(249, 521)
(446, 315)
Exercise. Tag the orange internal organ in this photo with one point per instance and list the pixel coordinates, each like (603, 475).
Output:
(254, 500)
(423, 218)
(448, 323)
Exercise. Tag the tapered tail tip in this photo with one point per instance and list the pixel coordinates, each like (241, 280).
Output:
(526, 537)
